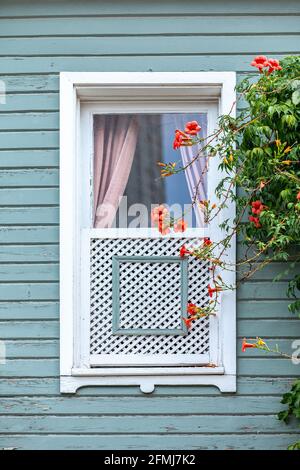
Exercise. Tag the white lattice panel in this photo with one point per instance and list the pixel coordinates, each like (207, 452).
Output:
(139, 286)
(147, 292)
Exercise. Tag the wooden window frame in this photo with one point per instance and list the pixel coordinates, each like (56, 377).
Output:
(131, 88)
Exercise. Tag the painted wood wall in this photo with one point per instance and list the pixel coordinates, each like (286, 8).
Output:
(39, 39)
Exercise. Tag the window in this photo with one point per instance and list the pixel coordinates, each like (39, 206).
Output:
(126, 178)
(124, 287)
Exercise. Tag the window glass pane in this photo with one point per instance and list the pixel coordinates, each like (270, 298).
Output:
(127, 182)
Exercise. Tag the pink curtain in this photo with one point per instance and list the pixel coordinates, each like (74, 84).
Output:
(115, 139)
(194, 174)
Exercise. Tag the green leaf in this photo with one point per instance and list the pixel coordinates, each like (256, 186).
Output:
(285, 194)
(296, 97)
(295, 446)
(295, 84)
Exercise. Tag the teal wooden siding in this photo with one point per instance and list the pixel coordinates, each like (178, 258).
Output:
(37, 41)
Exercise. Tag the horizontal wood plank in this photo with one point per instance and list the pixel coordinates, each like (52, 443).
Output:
(29, 253)
(285, 270)
(29, 291)
(264, 309)
(29, 329)
(29, 272)
(145, 424)
(28, 158)
(33, 234)
(150, 441)
(80, 405)
(29, 215)
(29, 139)
(29, 196)
(269, 328)
(32, 386)
(36, 310)
(13, 8)
(29, 121)
(29, 102)
(95, 46)
(156, 63)
(136, 26)
(262, 290)
(20, 349)
(29, 177)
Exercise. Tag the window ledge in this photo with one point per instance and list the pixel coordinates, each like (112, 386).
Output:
(148, 378)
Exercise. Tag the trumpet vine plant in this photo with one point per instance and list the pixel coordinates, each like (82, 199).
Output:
(259, 153)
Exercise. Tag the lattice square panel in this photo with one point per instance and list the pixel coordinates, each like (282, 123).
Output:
(149, 297)
(143, 288)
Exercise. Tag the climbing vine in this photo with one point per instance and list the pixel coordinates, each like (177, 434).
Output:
(259, 152)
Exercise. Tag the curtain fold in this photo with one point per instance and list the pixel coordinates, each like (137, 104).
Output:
(194, 173)
(115, 139)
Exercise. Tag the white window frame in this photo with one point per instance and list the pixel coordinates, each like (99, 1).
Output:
(130, 89)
